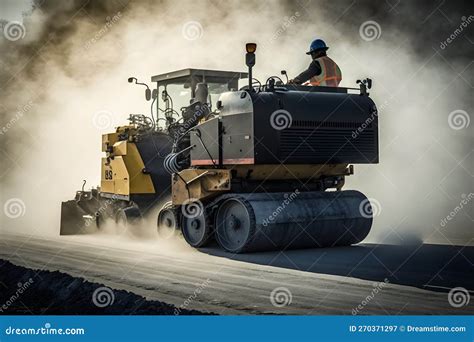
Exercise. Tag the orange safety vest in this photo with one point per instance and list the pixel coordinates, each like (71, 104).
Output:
(330, 75)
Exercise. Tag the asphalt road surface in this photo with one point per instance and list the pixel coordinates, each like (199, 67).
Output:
(364, 279)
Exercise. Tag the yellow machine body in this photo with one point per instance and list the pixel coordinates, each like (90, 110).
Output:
(122, 168)
(202, 184)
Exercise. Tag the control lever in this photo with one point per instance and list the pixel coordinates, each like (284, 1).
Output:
(364, 85)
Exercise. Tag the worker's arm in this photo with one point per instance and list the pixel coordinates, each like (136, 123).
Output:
(314, 69)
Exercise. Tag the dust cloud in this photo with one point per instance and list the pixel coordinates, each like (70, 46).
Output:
(65, 83)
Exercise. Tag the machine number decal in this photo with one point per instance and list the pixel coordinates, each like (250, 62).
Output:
(108, 174)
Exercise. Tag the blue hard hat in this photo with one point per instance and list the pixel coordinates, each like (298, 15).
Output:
(317, 44)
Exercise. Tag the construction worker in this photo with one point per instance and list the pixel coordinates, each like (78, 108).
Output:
(322, 71)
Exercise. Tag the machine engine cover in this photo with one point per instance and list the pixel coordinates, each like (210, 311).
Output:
(291, 127)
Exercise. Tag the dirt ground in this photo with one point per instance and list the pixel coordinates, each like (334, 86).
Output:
(25, 291)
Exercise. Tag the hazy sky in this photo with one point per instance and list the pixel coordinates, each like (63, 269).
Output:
(12, 10)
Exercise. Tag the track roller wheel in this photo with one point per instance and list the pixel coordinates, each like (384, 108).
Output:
(195, 224)
(234, 224)
(167, 224)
